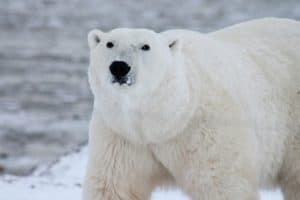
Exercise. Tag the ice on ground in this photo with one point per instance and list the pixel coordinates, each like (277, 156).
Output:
(63, 180)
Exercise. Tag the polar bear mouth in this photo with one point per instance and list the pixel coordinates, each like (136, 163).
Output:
(125, 80)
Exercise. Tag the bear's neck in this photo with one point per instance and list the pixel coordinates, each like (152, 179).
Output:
(168, 111)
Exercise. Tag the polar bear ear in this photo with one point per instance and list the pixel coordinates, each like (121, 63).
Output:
(94, 38)
(174, 44)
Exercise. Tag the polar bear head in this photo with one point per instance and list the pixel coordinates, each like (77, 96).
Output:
(131, 59)
(137, 78)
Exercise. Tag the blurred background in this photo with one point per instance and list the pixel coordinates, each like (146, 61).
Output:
(45, 102)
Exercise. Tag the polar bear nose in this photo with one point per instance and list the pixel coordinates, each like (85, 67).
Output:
(119, 69)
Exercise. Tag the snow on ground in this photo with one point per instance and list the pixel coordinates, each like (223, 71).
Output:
(63, 181)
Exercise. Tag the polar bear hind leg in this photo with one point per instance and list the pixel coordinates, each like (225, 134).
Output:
(290, 176)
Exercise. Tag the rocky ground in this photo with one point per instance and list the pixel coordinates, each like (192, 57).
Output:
(45, 102)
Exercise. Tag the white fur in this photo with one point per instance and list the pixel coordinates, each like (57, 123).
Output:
(216, 114)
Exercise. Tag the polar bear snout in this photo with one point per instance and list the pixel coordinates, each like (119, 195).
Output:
(120, 72)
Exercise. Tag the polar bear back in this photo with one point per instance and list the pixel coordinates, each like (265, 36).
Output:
(262, 28)
(267, 38)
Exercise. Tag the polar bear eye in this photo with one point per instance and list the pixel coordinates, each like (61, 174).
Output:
(145, 47)
(109, 45)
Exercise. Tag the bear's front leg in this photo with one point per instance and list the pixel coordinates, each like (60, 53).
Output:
(220, 168)
(217, 184)
(212, 166)
(117, 169)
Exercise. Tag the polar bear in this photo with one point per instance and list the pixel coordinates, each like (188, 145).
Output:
(217, 114)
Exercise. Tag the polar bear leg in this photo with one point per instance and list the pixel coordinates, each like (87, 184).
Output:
(209, 166)
(119, 170)
(290, 175)
(291, 189)
(219, 187)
